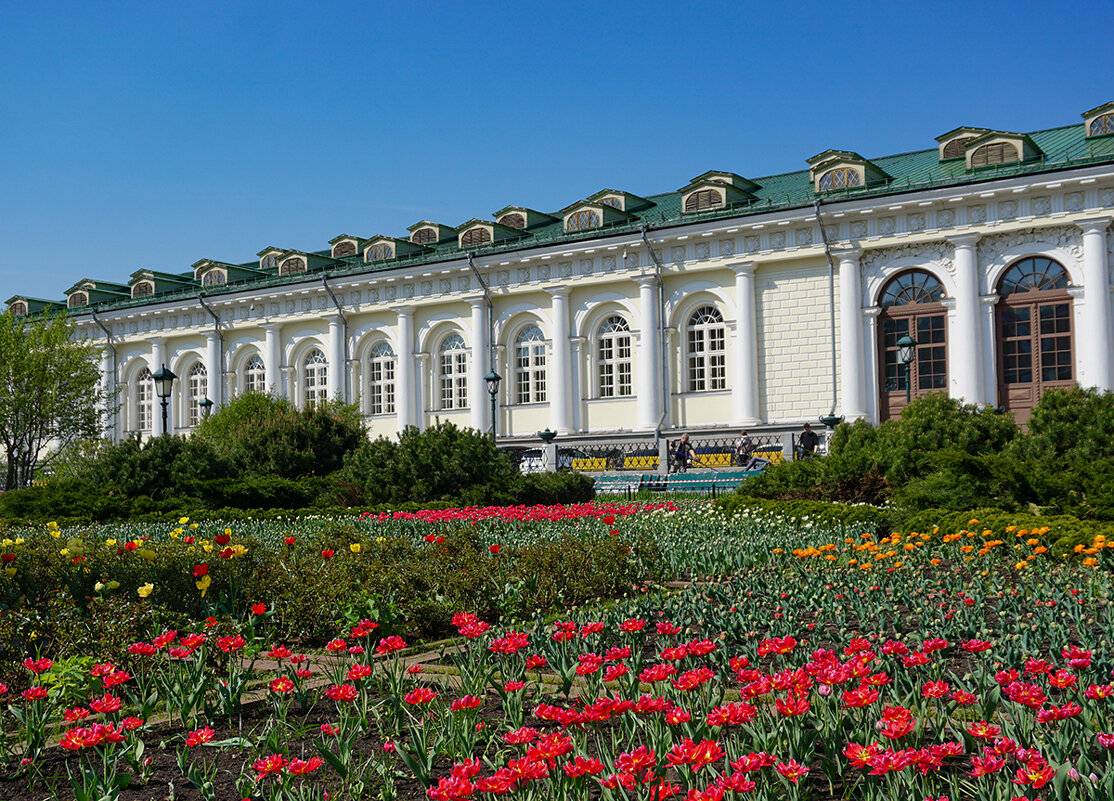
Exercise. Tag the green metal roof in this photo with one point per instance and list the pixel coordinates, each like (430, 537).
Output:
(1062, 148)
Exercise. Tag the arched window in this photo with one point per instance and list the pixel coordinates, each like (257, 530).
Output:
(704, 199)
(342, 249)
(840, 178)
(912, 305)
(255, 375)
(143, 393)
(1034, 333)
(198, 388)
(381, 251)
(1101, 126)
(424, 236)
(381, 379)
(291, 266)
(582, 221)
(475, 236)
(452, 373)
(706, 350)
(77, 299)
(143, 289)
(513, 220)
(268, 262)
(214, 278)
(994, 153)
(613, 358)
(529, 365)
(315, 370)
(957, 148)
(19, 308)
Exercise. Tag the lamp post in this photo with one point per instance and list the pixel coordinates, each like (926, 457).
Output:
(905, 351)
(206, 406)
(164, 380)
(493, 379)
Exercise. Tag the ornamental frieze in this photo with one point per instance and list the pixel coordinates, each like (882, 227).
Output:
(1065, 237)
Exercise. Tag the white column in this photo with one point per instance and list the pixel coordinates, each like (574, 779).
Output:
(406, 399)
(111, 401)
(158, 361)
(213, 367)
(965, 361)
(649, 362)
(1094, 342)
(560, 387)
(989, 333)
(478, 398)
(851, 367)
(870, 359)
(744, 361)
(580, 379)
(272, 359)
(424, 388)
(337, 367)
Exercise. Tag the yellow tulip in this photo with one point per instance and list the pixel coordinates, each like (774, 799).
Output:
(9, 571)
(194, 526)
(114, 585)
(207, 547)
(354, 547)
(110, 543)
(64, 552)
(203, 584)
(145, 590)
(52, 525)
(227, 531)
(183, 520)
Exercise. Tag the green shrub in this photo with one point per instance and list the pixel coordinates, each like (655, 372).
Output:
(1070, 427)
(263, 435)
(545, 489)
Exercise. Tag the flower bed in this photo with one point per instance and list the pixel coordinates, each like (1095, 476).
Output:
(805, 663)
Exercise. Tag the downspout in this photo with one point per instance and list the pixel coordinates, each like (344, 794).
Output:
(115, 366)
(490, 315)
(220, 341)
(831, 310)
(666, 400)
(344, 321)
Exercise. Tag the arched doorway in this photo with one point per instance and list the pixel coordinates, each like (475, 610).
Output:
(1034, 322)
(912, 305)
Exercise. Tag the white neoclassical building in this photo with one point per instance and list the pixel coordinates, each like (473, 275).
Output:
(732, 301)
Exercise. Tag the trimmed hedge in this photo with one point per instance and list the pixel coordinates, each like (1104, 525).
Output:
(1066, 531)
(862, 516)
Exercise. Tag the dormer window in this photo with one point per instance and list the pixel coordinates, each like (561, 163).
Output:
(1101, 126)
(268, 262)
(19, 308)
(293, 265)
(424, 236)
(582, 220)
(143, 289)
(840, 178)
(704, 199)
(513, 220)
(613, 201)
(956, 149)
(77, 299)
(214, 278)
(475, 236)
(379, 252)
(344, 248)
(994, 153)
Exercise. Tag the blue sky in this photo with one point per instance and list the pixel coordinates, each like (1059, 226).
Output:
(155, 134)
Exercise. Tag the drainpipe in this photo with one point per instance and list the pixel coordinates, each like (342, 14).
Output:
(830, 420)
(115, 366)
(665, 397)
(344, 321)
(490, 315)
(220, 341)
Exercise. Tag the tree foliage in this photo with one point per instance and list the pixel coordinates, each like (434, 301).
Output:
(50, 393)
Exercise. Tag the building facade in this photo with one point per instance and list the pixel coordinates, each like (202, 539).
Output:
(730, 302)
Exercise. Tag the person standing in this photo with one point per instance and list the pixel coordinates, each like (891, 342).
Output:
(807, 443)
(744, 449)
(681, 454)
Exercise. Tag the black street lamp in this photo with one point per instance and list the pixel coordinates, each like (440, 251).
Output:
(493, 379)
(905, 351)
(164, 380)
(206, 406)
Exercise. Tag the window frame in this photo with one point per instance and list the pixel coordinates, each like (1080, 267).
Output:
(705, 357)
(254, 374)
(197, 388)
(452, 373)
(315, 378)
(530, 360)
(614, 358)
(382, 366)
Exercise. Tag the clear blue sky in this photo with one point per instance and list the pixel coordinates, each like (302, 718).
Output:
(154, 134)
